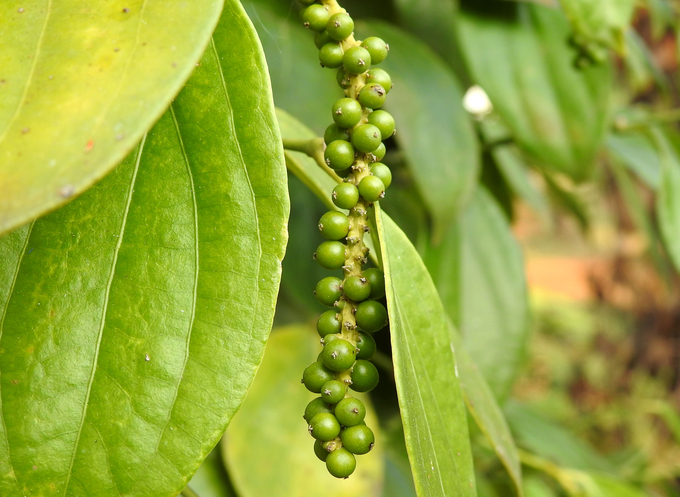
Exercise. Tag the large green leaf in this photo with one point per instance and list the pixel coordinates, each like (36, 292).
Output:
(211, 479)
(433, 130)
(430, 397)
(519, 54)
(269, 431)
(637, 151)
(138, 315)
(668, 197)
(479, 272)
(79, 86)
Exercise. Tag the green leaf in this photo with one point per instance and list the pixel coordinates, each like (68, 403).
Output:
(138, 315)
(267, 448)
(430, 398)
(398, 479)
(519, 55)
(211, 479)
(80, 85)
(667, 199)
(638, 153)
(479, 272)
(433, 130)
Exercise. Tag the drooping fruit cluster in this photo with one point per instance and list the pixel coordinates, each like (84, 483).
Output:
(354, 147)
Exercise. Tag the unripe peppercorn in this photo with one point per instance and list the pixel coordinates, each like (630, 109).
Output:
(357, 288)
(383, 172)
(384, 121)
(315, 407)
(315, 376)
(371, 316)
(345, 195)
(346, 112)
(358, 439)
(328, 324)
(380, 151)
(371, 188)
(341, 463)
(366, 138)
(364, 376)
(357, 60)
(335, 132)
(338, 355)
(339, 155)
(307, 2)
(334, 225)
(366, 345)
(320, 451)
(324, 427)
(380, 76)
(330, 55)
(340, 26)
(333, 391)
(330, 255)
(328, 290)
(350, 411)
(321, 38)
(377, 279)
(372, 95)
(315, 17)
(377, 48)
(343, 79)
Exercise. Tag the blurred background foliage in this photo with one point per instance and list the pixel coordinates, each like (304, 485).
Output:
(537, 171)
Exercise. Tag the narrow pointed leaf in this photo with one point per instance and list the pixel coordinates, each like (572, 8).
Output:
(139, 312)
(79, 86)
(668, 199)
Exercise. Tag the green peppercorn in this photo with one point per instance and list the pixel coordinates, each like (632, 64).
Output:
(377, 279)
(330, 55)
(346, 112)
(339, 155)
(350, 411)
(315, 376)
(330, 255)
(380, 76)
(366, 345)
(372, 95)
(341, 463)
(321, 38)
(366, 138)
(315, 17)
(357, 60)
(338, 355)
(340, 26)
(382, 120)
(333, 391)
(335, 132)
(380, 151)
(364, 376)
(371, 188)
(328, 324)
(307, 2)
(343, 78)
(324, 426)
(383, 172)
(377, 48)
(320, 451)
(357, 288)
(358, 439)
(345, 195)
(315, 407)
(328, 290)
(371, 316)
(325, 341)
(334, 225)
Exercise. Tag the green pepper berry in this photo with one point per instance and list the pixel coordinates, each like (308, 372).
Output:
(357, 288)
(328, 290)
(380, 170)
(315, 376)
(350, 411)
(338, 355)
(366, 138)
(371, 316)
(341, 463)
(364, 376)
(321, 38)
(358, 439)
(328, 324)
(325, 341)
(343, 79)
(340, 26)
(315, 17)
(333, 391)
(345, 195)
(372, 95)
(380, 76)
(335, 132)
(339, 155)
(330, 55)
(307, 2)
(330, 255)
(324, 426)
(334, 225)
(382, 120)
(380, 151)
(377, 279)
(377, 48)
(371, 188)
(357, 60)
(346, 112)
(315, 407)
(366, 345)
(320, 450)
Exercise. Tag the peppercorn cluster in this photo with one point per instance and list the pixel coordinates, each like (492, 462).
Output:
(353, 148)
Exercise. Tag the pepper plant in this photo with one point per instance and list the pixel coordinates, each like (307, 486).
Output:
(159, 159)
